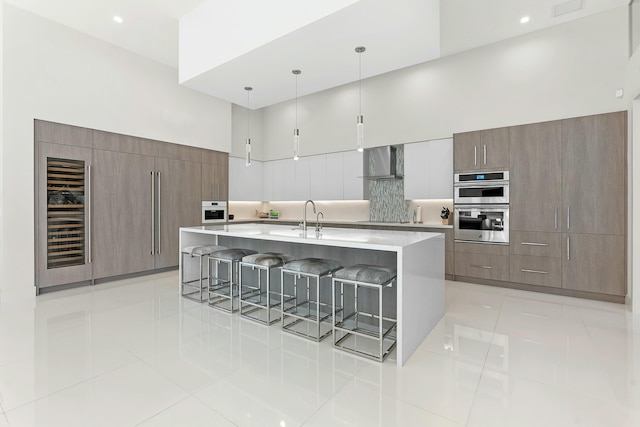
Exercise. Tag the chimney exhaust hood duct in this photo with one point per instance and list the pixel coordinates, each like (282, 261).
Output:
(380, 162)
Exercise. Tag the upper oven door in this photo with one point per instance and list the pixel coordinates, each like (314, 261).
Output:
(490, 192)
(481, 223)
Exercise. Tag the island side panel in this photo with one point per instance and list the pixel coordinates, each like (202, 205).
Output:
(420, 292)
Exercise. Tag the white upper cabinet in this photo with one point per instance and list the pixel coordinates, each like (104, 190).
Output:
(334, 176)
(318, 177)
(245, 183)
(352, 175)
(428, 169)
(301, 181)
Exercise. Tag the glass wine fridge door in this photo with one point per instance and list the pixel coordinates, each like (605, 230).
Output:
(63, 215)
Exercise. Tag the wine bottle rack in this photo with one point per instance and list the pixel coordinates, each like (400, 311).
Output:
(65, 212)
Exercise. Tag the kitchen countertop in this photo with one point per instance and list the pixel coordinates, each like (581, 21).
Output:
(361, 238)
(351, 224)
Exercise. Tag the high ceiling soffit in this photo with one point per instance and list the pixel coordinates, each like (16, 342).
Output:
(222, 46)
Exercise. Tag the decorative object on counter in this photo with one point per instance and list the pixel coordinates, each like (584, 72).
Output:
(262, 214)
(247, 146)
(274, 214)
(296, 131)
(417, 215)
(445, 215)
(360, 120)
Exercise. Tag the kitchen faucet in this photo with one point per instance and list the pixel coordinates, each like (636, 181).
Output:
(304, 214)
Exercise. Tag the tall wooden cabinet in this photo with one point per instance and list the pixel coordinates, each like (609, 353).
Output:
(594, 202)
(178, 204)
(117, 204)
(568, 204)
(122, 213)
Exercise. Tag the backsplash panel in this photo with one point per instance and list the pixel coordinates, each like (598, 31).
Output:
(386, 196)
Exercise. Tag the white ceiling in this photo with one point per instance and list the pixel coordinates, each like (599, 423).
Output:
(396, 33)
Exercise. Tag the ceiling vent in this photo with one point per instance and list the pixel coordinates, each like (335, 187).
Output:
(567, 7)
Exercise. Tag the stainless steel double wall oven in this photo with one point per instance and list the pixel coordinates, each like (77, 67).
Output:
(481, 207)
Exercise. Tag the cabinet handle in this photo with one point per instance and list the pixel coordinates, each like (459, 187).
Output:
(555, 219)
(475, 155)
(484, 148)
(159, 210)
(486, 267)
(533, 244)
(153, 217)
(568, 249)
(87, 203)
(525, 270)
(568, 217)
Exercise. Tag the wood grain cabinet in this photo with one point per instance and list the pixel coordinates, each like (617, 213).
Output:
(123, 211)
(109, 205)
(481, 150)
(594, 192)
(482, 261)
(178, 204)
(535, 181)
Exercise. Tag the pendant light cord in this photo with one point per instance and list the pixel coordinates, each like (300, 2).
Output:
(360, 78)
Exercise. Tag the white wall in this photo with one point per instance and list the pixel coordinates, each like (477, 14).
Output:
(54, 73)
(568, 70)
(1, 142)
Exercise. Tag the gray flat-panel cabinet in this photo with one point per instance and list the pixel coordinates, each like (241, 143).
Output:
(62, 214)
(215, 176)
(178, 204)
(594, 174)
(536, 177)
(122, 212)
(481, 150)
(594, 263)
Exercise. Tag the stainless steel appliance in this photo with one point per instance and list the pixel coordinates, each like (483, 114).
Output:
(214, 211)
(481, 207)
(481, 188)
(481, 223)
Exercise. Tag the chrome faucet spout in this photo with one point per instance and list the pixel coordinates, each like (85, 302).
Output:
(304, 214)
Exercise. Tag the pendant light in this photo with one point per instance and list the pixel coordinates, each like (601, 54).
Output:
(296, 131)
(247, 146)
(360, 120)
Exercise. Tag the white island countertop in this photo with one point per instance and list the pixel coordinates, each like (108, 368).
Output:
(418, 257)
(359, 238)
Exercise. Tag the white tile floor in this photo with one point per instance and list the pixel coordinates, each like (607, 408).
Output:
(134, 353)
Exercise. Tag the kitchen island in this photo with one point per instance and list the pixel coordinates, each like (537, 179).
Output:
(417, 256)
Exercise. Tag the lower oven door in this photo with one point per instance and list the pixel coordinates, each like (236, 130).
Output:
(481, 223)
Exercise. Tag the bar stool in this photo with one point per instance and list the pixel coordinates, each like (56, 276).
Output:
(307, 314)
(260, 298)
(358, 322)
(188, 287)
(225, 289)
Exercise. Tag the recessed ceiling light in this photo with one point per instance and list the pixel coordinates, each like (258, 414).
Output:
(524, 19)
(118, 19)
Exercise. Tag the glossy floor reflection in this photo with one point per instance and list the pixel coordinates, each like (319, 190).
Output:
(133, 353)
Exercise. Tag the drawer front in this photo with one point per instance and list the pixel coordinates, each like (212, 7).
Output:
(494, 267)
(536, 244)
(482, 248)
(536, 270)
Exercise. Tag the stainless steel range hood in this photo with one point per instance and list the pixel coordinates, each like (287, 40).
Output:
(381, 163)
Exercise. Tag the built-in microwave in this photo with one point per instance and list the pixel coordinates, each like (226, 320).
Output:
(481, 223)
(481, 188)
(214, 211)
